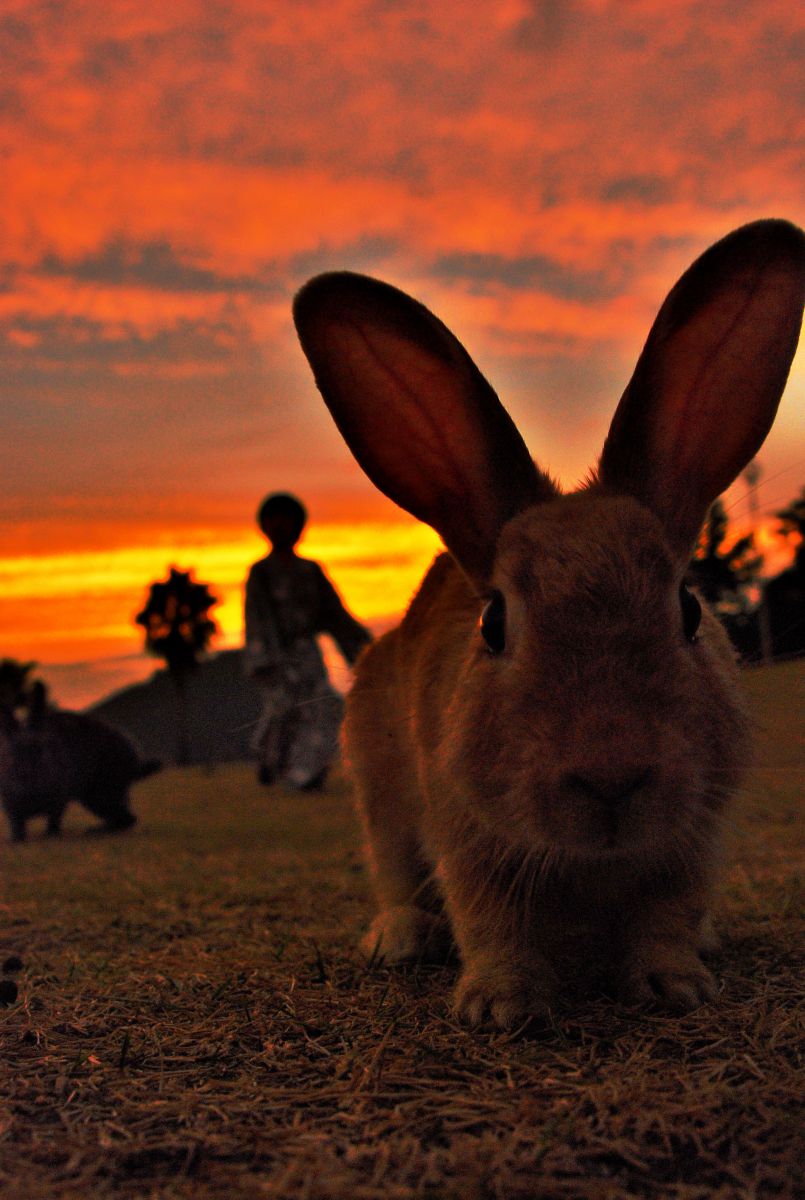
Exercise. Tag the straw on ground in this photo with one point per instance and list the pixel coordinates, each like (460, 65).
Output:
(194, 1019)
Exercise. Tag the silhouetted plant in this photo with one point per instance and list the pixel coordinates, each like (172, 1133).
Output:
(15, 683)
(785, 593)
(792, 522)
(178, 628)
(723, 576)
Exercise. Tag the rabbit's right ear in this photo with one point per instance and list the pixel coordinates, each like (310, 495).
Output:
(417, 413)
(706, 387)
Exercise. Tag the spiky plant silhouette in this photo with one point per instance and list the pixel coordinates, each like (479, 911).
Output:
(178, 629)
(15, 683)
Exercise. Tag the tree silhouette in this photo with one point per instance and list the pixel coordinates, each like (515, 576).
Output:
(792, 521)
(723, 576)
(178, 629)
(785, 593)
(15, 683)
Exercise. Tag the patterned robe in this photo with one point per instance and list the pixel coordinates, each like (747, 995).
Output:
(289, 600)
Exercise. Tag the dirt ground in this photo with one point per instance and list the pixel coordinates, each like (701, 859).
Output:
(193, 1018)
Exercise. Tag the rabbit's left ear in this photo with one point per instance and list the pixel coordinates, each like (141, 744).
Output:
(707, 385)
(417, 413)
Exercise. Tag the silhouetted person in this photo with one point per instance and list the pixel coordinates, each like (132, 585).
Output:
(289, 600)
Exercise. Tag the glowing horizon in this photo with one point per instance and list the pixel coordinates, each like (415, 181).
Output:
(376, 566)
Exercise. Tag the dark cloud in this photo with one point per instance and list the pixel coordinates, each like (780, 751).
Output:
(151, 264)
(90, 354)
(549, 24)
(644, 189)
(532, 272)
(107, 59)
(18, 41)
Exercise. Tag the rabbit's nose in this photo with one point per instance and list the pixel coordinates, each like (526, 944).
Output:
(607, 785)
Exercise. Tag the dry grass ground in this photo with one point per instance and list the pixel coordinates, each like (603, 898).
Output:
(194, 1020)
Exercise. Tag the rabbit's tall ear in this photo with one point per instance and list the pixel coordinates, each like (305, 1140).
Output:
(707, 385)
(417, 414)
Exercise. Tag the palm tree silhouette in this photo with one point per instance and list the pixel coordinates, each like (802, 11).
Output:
(178, 629)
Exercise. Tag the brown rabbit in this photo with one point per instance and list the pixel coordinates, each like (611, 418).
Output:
(543, 750)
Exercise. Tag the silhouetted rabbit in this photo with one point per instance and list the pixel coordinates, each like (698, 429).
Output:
(546, 744)
(50, 756)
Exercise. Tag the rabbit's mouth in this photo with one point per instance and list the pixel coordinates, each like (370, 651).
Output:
(601, 804)
(603, 811)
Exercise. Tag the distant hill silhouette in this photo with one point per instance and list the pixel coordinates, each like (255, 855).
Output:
(222, 708)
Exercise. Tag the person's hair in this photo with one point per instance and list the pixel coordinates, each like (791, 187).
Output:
(281, 504)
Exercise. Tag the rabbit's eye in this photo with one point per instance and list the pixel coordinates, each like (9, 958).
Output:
(493, 624)
(691, 613)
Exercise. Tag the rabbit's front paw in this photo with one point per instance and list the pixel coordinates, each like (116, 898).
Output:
(408, 934)
(504, 995)
(671, 976)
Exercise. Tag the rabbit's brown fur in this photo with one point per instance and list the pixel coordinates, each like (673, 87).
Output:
(554, 803)
(490, 815)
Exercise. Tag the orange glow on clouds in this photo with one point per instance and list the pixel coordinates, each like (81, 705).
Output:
(538, 173)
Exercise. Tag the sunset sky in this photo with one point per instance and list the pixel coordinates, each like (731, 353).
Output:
(539, 173)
